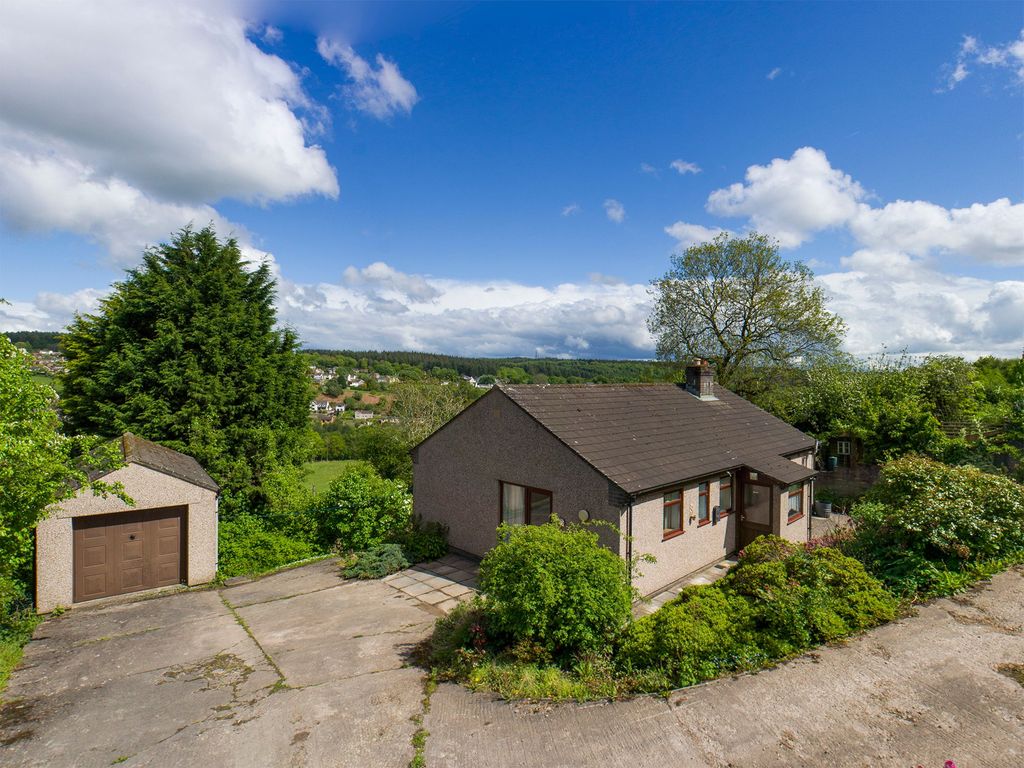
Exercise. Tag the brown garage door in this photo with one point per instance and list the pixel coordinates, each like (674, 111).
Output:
(126, 552)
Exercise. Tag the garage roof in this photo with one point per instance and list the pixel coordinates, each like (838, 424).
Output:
(146, 453)
(647, 436)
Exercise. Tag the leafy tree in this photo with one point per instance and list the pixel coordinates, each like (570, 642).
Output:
(185, 352)
(423, 407)
(386, 449)
(334, 387)
(38, 465)
(736, 302)
(513, 375)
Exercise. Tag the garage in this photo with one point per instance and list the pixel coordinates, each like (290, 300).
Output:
(165, 534)
(128, 552)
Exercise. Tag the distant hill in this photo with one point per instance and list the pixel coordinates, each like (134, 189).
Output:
(610, 371)
(34, 340)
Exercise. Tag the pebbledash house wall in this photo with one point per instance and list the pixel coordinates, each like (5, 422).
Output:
(457, 474)
(699, 545)
(148, 489)
(798, 530)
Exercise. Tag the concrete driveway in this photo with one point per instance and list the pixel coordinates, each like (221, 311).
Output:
(302, 668)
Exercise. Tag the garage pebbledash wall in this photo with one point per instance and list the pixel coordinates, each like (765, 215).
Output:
(148, 489)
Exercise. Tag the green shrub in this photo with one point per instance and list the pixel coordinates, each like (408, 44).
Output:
(247, 546)
(361, 510)
(695, 637)
(802, 596)
(17, 621)
(422, 542)
(925, 523)
(458, 640)
(779, 599)
(375, 563)
(556, 587)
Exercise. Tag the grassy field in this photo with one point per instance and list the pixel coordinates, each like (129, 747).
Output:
(321, 473)
(50, 381)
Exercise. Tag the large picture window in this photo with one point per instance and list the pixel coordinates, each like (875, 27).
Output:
(522, 505)
(672, 515)
(796, 501)
(703, 504)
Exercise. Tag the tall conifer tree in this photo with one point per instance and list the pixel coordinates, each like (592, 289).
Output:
(185, 352)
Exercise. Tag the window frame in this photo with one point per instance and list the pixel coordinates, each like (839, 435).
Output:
(704, 492)
(725, 512)
(671, 533)
(528, 501)
(844, 446)
(799, 493)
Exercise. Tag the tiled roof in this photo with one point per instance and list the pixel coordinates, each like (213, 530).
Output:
(646, 436)
(137, 450)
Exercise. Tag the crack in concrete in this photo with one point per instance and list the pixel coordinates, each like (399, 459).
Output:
(277, 599)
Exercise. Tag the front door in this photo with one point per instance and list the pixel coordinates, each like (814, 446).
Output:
(756, 507)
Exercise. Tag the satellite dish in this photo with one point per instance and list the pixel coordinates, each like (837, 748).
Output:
(583, 515)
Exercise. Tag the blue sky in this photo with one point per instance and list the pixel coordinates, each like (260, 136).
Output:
(498, 179)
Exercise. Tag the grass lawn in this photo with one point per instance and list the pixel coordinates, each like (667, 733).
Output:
(321, 473)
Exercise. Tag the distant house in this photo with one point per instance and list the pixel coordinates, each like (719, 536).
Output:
(362, 415)
(90, 547)
(688, 473)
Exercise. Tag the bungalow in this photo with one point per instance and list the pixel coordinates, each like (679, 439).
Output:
(688, 473)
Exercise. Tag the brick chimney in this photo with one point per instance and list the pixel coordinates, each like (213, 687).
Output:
(700, 379)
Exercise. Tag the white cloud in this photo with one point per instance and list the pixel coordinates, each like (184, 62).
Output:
(649, 169)
(381, 91)
(374, 307)
(693, 234)
(272, 35)
(895, 289)
(795, 198)
(682, 167)
(774, 73)
(992, 232)
(49, 311)
(791, 199)
(126, 159)
(571, 209)
(614, 210)
(889, 298)
(972, 54)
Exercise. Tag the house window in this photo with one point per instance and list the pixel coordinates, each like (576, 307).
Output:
(522, 505)
(842, 447)
(725, 495)
(796, 501)
(703, 507)
(672, 517)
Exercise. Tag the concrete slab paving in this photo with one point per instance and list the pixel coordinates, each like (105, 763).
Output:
(317, 673)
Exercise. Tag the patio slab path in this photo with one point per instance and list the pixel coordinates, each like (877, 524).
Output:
(442, 584)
